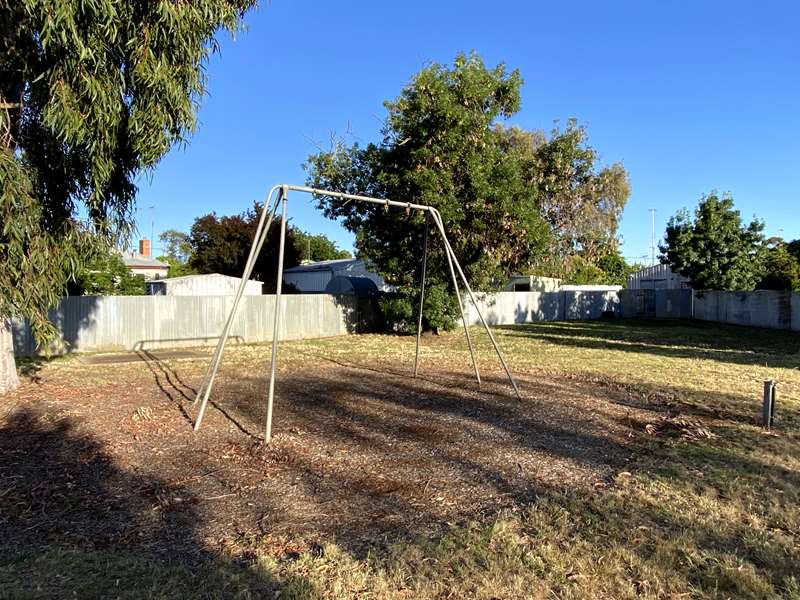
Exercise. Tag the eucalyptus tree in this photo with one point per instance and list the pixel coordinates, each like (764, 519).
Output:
(91, 94)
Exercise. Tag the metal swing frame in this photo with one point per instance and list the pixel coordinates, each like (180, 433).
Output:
(264, 223)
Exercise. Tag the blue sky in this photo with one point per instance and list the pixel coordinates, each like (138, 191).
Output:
(690, 96)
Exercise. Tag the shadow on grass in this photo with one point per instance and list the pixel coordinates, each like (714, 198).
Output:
(674, 339)
(693, 516)
(73, 524)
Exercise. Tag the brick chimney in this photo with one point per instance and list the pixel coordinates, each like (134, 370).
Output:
(144, 248)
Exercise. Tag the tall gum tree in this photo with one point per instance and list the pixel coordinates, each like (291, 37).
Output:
(91, 94)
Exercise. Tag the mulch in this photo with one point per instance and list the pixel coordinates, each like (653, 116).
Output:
(363, 454)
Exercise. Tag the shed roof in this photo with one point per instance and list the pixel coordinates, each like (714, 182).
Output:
(204, 275)
(324, 265)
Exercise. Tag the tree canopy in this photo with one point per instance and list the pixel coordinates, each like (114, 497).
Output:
(781, 270)
(105, 274)
(715, 250)
(317, 247)
(581, 202)
(500, 190)
(222, 244)
(177, 252)
(91, 94)
(176, 244)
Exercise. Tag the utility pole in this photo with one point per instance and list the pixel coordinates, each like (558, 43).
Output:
(652, 237)
(152, 225)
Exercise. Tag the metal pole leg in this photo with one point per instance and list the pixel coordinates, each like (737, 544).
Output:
(422, 289)
(277, 320)
(477, 308)
(460, 303)
(258, 241)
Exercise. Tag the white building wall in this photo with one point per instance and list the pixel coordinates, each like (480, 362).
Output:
(149, 273)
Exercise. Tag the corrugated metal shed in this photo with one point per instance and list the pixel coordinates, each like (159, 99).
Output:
(315, 277)
(352, 286)
(213, 284)
(657, 277)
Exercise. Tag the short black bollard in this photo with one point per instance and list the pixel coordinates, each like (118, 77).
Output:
(768, 410)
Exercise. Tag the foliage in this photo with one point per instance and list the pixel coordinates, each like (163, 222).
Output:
(178, 249)
(583, 272)
(176, 268)
(222, 245)
(582, 203)
(92, 93)
(398, 312)
(105, 274)
(781, 272)
(616, 269)
(318, 247)
(439, 148)
(715, 250)
(793, 248)
(439, 310)
(35, 255)
(177, 245)
(512, 201)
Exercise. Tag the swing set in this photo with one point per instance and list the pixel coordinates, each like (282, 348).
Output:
(281, 193)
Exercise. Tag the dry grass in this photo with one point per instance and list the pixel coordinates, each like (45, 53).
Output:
(634, 467)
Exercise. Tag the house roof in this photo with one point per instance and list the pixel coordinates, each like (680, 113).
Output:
(324, 265)
(139, 261)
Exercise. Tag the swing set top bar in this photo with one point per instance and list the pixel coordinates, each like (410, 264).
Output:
(319, 192)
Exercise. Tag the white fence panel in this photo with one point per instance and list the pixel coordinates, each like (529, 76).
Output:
(112, 323)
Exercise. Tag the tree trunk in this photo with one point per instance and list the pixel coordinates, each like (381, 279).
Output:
(8, 366)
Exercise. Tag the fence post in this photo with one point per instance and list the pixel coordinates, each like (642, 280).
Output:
(768, 408)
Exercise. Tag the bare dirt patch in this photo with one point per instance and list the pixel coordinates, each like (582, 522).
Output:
(362, 453)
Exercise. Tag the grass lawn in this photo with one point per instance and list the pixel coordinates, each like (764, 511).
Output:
(634, 467)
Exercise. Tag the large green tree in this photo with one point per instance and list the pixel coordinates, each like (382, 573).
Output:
(222, 244)
(317, 247)
(440, 147)
(512, 201)
(177, 250)
(176, 245)
(781, 270)
(715, 250)
(91, 94)
(580, 200)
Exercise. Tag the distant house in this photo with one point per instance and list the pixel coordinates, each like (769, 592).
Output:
(657, 277)
(213, 284)
(142, 263)
(315, 277)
